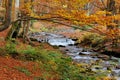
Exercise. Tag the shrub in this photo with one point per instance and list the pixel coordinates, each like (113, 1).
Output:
(28, 50)
(92, 39)
(11, 48)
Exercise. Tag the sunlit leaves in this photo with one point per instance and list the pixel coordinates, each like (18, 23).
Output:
(26, 9)
(75, 12)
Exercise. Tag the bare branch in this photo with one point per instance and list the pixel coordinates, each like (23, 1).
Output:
(103, 4)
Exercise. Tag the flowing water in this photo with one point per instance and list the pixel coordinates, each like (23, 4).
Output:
(100, 63)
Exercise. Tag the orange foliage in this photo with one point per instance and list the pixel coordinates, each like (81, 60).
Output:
(79, 12)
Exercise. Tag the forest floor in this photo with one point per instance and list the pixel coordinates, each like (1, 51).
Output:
(9, 71)
(18, 68)
(14, 69)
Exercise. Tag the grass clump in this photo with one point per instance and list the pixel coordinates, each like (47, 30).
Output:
(24, 70)
(11, 47)
(28, 50)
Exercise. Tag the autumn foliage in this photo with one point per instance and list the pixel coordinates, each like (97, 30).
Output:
(100, 14)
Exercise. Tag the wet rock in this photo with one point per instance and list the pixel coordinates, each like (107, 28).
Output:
(115, 73)
(41, 39)
(80, 53)
(109, 65)
(70, 44)
(104, 57)
(93, 54)
(84, 50)
(118, 67)
(67, 50)
(114, 59)
(98, 69)
(74, 39)
(61, 46)
(76, 44)
(33, 39)
(84, 53)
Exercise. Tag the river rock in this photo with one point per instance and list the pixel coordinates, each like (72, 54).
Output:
(114, 59)
(85, 53)
(104, 57)
(96, 68)
(74, 39)
(116, 73)
(84, 50)
(118, 67)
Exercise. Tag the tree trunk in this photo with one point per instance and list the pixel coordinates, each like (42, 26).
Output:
(111, 8)
(7, 21)
(14, 31)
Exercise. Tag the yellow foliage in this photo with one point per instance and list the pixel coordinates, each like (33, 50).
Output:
(74, 12)
(103, 13)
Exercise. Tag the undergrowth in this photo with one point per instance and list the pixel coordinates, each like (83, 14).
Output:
(92, 39)
(53, 63)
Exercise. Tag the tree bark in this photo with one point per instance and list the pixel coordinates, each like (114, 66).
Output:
(111, 8)
(7, 21)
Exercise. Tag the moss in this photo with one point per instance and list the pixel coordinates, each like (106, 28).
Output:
(92, 39)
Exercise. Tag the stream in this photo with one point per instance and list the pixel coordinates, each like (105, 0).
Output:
(99, 63)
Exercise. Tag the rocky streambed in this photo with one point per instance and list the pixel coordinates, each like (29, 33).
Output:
(100, 63)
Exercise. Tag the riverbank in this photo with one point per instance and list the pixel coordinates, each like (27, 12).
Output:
(22, 61)
(83, 47)
(88, 38)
